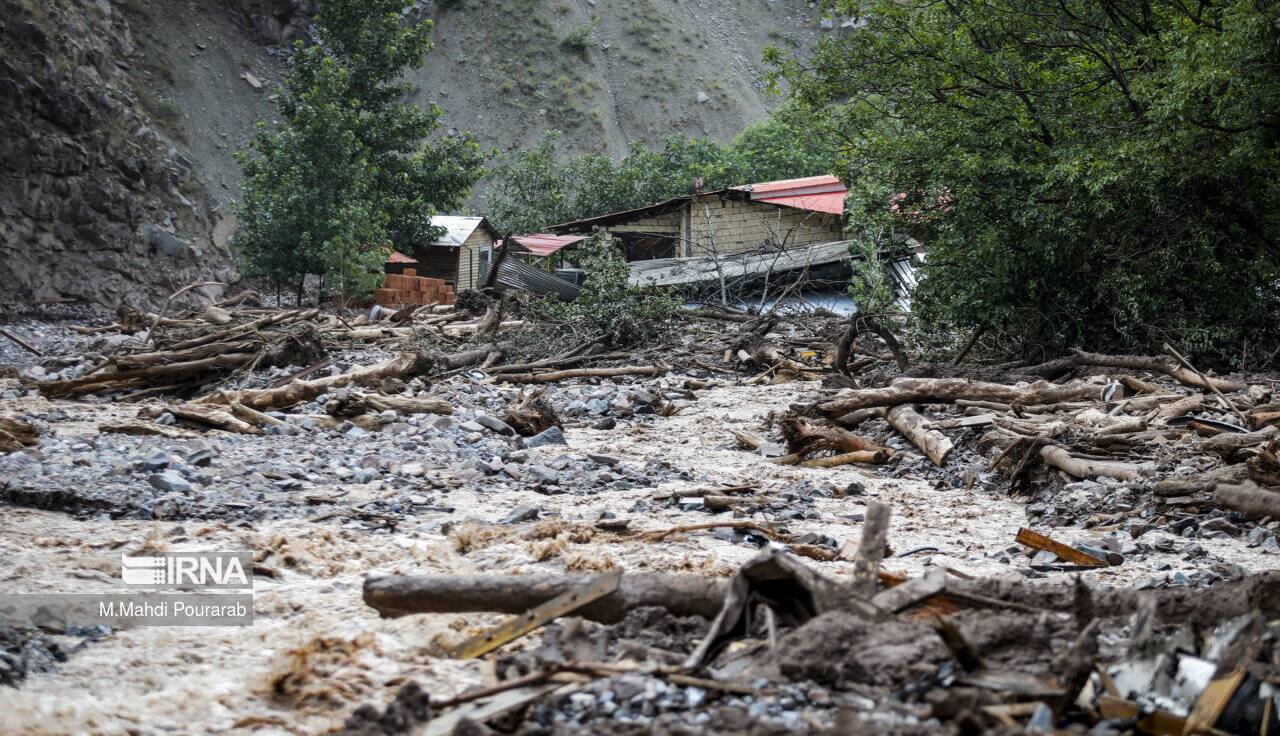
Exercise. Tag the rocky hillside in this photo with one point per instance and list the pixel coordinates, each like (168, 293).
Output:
(121, 117)
(96, 204)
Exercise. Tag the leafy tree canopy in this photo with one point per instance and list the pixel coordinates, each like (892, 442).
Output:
(1084, 172)
(351, 173)
(531, 189)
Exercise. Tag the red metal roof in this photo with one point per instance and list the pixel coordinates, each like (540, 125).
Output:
(544, 244)
(824, 183)
(814, 193)
(398, 257)
(831, 203)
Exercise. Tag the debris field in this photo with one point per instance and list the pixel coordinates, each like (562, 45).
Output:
(756, 525)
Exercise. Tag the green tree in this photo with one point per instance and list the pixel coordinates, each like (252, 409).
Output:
(352, 172)
(610, 308)
(1083, 172)
(530, 190)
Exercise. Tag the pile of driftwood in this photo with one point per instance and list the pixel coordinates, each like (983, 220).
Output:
(201, 350)
(1142, 420)
(779, 605)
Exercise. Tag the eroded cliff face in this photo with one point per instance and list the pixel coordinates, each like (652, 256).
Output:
(95, 204)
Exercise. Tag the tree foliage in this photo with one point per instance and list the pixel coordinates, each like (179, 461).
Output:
(1083, 172)
(531, 189)
(351, 172)
(610, 308)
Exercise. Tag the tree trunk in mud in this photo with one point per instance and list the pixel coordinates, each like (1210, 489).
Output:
(950, 390)
(934, 444)
(400, 595)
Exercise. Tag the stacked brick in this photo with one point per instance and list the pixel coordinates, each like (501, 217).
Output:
(403, 289)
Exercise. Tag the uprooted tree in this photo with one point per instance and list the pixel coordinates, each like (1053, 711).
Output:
(1083, 173)
(351, 172)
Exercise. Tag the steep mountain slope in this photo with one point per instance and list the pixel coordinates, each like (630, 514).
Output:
(605, 73)
(94, 203)
(120, 118)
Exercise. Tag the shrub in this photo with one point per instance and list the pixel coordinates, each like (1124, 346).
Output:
(609, 307)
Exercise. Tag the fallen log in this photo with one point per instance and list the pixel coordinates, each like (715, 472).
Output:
(211, 416)
(532, 414)
(399, 595)
(255, 417)
(139, 428)
(21, 343)
(402, 595)
(1182, 406)
(1200, 483)
(950, 390)
(404, 365)
(1057, 457)
(848, 458)
(16, 434)
(1157, 364)
(805, 438)
(934, 444)
(551, 376)
(356, 404)
(1228, 443)
(1248, 498)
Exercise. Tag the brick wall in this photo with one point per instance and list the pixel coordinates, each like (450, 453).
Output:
(723, 227)
(408, 288)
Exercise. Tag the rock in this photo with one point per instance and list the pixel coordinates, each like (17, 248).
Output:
(608, 460)
(605, 424)
(171, 481)
(523, 513)
(158, 460)
(495, 424)
(702, 97)
(1220, 524)
(1044, 557)
(549, 436)
(542, 473)
(412, 470)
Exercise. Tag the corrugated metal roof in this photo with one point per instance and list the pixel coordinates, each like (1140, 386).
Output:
(814, 193)
(823, 193)
(544, 244)
(398, 257)
(458, 228)
(805, 185)
(611, 217)
(832, 203)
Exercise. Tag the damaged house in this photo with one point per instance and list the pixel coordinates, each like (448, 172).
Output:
(684, 239)
(744, 234)
(460, 257)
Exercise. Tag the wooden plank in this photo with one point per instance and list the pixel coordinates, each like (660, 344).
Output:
(1035, 540)
(486, 710)
(1213, 701)
(538, 616)
(912, 591)
(1158, 722)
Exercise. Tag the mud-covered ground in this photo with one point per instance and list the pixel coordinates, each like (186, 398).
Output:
(322, 506)
(315, 651)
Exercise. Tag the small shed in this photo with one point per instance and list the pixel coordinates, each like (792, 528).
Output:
(461, 256)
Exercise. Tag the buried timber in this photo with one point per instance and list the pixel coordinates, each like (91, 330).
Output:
(479, 520)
